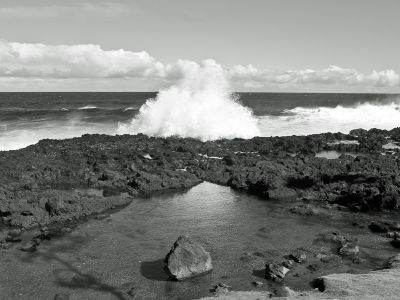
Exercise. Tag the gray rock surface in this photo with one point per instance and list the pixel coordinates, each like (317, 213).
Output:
(187, 259)
(382, 284)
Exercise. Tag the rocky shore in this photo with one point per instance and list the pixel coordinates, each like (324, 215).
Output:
(55, 184)
(36, 182)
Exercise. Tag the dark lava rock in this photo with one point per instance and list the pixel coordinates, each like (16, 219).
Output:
(393, 235)
(187, 259)
(42, 194)
(298, 256)
(378, 227)
(396, 243)
(275, 271)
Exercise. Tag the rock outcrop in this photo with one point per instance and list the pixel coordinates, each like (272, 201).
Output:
(382, 284)
(36, 182)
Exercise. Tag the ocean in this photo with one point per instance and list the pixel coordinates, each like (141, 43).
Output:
(26, 118)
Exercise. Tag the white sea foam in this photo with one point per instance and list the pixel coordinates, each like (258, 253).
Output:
(199, 106)
(22, 137)
(303, 121)
(129, 108)
(87, 107)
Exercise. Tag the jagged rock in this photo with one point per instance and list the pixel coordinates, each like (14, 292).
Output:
(393, 235)
(187, 259)
(396, 243)
(298, 256)
(378, 227)
(274, 271)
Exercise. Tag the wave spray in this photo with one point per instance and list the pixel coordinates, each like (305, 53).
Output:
(200, 105)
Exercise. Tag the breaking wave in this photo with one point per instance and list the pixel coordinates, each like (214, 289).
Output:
(199, 106)
(306, 120)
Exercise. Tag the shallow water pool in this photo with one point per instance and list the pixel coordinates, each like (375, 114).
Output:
(105, 258)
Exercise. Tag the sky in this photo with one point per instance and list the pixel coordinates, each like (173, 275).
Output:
(145, 45)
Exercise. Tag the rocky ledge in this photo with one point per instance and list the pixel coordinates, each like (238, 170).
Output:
(53, 181)
(380, 284)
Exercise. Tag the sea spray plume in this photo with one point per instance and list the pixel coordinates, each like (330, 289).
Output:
(199, 106)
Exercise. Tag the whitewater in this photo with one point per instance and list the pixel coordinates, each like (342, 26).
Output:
(200, 105)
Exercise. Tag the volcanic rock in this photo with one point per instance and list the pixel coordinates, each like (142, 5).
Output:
(274, 271)
(187, 259)
(396, 243)
(298, 256)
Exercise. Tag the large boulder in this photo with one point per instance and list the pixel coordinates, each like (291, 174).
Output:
(187, 259)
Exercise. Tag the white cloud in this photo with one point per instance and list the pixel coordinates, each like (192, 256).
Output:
(76, 61)
(249, 75)
(25, 61)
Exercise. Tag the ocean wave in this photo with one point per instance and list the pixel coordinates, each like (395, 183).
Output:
(306, 120)
(199, 106)
(130, 108)
(87, 107)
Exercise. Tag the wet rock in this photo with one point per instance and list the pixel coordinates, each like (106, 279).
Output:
(275, 271)
(187, 259)
(349, 250)
(378, 227)
(393, 235)
(396, 243)
(298, 256)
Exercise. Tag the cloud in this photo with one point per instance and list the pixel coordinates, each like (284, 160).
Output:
(89, 61)
(333, 75)
(76, 61)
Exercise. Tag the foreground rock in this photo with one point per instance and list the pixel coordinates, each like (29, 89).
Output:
(187, 259)
(382, 284)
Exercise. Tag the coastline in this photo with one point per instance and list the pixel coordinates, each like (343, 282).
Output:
(65, 182)
(36, 181)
